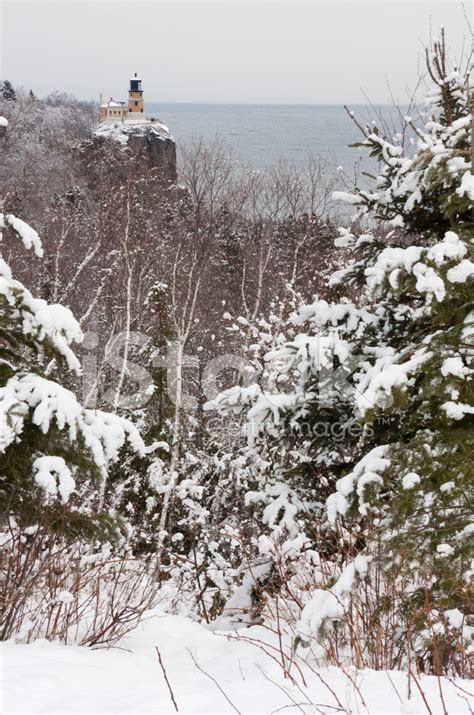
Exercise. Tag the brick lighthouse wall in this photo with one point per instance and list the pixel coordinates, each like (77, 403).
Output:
(135, 97)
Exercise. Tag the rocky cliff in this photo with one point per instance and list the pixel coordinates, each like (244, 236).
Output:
(149, 140)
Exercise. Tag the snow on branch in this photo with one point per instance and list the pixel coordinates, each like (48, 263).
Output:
(46, 403)
(28, 235)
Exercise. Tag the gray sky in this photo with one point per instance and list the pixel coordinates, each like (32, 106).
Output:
(263, 52)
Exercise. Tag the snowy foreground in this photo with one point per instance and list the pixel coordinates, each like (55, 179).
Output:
(207, 672)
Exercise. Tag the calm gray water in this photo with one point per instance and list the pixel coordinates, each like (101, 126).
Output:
(261, 135)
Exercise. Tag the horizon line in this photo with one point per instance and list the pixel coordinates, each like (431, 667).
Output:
(210, 103)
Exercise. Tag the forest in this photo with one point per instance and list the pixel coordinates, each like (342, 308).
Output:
(241, 397)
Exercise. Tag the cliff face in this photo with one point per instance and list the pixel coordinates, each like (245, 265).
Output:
(148, 140)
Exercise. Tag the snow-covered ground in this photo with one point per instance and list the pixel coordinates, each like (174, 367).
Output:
(207, 672)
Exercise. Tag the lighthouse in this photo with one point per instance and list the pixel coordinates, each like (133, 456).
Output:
(135, 96)
(114, 112)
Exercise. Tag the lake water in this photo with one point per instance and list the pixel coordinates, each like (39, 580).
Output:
(261, 135)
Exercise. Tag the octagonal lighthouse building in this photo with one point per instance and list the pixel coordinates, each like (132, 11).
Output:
(115, 111)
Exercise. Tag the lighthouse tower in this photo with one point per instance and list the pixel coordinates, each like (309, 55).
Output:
(135, 96)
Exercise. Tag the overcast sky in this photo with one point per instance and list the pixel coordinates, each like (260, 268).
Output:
(258, 52)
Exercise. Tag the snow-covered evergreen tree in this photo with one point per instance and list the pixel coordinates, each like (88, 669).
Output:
(381, 410)
(54, 453)
(8, 91)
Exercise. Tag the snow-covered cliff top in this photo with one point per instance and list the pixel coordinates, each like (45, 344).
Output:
(121, 131)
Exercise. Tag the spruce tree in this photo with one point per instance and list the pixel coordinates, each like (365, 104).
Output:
(389, 377)
(133, 487)
(8, 91)
(54, 453)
